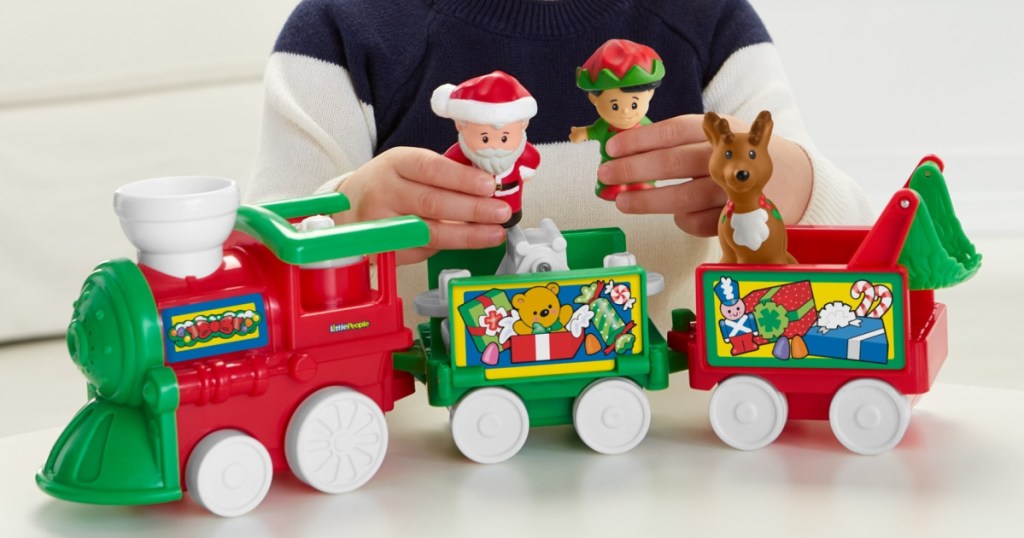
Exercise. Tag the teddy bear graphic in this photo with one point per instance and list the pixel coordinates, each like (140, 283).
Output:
(539, 311)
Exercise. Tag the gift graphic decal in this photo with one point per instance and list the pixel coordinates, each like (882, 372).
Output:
(859, 335)
(808, 320)
(577, 324)
(486, 317)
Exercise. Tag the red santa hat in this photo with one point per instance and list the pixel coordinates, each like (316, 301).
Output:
(493, 99)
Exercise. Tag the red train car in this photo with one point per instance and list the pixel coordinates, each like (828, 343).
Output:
(280, 358)
(851, 334)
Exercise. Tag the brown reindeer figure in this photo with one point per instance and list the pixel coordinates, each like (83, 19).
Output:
(751, 229)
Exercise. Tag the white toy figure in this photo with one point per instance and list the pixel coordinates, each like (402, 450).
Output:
(534, 250)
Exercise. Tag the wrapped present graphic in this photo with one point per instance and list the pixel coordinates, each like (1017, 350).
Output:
(545, 347)
(613, 330)
(786, 310)
(864, 341)
(616, 333)
(483, 317)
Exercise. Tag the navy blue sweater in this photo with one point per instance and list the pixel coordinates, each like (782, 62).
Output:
(398, 51)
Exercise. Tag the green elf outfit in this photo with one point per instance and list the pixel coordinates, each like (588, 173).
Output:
(618, 64)
(601, 131)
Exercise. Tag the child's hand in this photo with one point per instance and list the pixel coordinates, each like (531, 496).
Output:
(674, 148)
(452, 198)
(677, 148)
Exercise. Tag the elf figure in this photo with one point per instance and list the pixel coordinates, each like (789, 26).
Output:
(491, 113)
(619, 78)
(738, 328)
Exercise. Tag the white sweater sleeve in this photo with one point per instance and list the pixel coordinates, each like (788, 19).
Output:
(751, 80)
(315, 130)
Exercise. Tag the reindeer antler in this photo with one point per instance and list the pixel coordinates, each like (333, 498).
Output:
(762, 127)
(716, 128)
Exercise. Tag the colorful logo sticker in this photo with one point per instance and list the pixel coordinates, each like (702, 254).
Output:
(350, 326)
(808, 320)
(210, 328)
(545, 328)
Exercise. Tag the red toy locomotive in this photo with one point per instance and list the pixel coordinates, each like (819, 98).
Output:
(277, 355)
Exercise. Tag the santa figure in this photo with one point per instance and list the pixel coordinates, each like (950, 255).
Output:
(491, 113)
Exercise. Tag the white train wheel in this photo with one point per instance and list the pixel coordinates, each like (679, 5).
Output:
(336, 440)
(490, 425)
(747, 412)
(869, 416)
(228, 473)
(612, 415)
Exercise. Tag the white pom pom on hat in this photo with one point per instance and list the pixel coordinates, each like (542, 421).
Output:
(493, 99)
(441, 98)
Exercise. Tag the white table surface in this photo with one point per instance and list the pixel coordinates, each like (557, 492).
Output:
(958, 472)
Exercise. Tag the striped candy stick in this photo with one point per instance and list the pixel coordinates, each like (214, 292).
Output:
(871, 293)
(865, 289)
(884, 295)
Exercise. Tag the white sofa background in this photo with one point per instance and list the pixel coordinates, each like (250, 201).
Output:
(95, 95)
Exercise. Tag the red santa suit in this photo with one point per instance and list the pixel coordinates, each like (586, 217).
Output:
(496, 99)
(508, 185)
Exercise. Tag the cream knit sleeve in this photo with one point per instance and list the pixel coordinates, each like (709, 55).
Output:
(315, 130)
(752, 80)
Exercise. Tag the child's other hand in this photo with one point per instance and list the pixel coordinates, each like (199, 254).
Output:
(677, 148)
(454, 199)
(669, 149)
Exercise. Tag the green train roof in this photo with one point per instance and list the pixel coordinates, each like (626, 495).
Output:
(267, 223)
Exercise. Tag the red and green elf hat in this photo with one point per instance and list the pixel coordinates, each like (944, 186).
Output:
(620, 63)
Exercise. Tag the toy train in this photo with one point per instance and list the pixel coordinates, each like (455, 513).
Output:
(213, 369)
(241, 346)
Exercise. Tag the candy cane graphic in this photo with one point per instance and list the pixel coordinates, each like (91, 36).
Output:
(884, 295)
(866, 289)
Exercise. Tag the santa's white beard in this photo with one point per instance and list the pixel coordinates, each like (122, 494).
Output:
(494, 161)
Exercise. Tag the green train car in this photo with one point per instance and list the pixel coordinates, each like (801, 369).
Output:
(507, 352)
